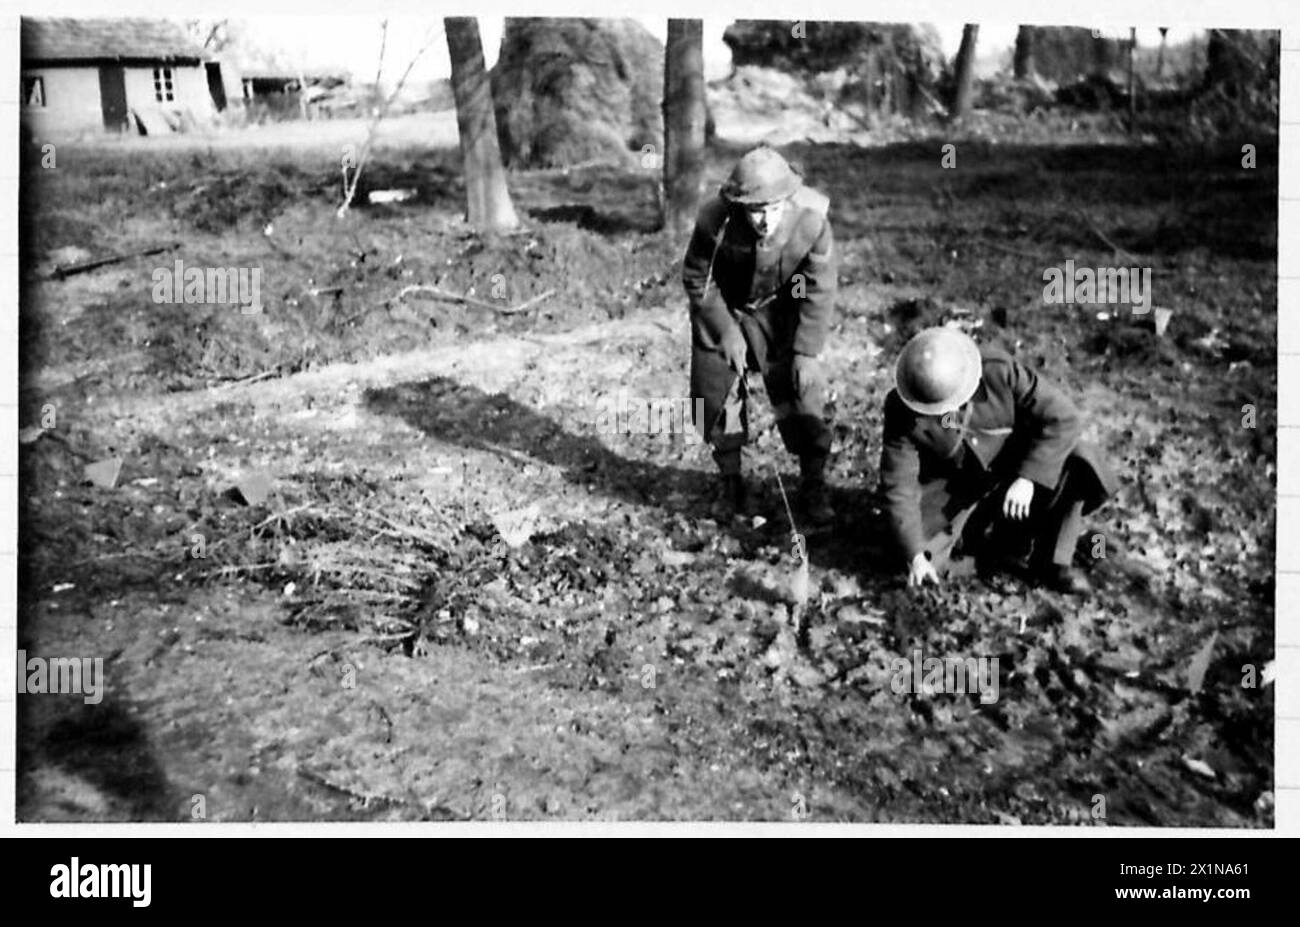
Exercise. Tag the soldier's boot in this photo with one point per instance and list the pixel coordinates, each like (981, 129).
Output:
(731, 498)
(1064, 579)
(814, 495)
(1058, 572)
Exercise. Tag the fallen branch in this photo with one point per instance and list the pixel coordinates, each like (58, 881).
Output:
(281, 515)
(435, 293)
(252, 378)
(529, 304)
(410, 531)
(60, 273)
(236, 568)
(1119, 252)
(387, 638)
(514, 456)
(448, 297)
(366, 799)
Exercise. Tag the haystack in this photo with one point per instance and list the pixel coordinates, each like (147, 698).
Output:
(886, 68)
(574, 90)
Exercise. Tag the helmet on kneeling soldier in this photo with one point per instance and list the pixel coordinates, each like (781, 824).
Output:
(938, 371)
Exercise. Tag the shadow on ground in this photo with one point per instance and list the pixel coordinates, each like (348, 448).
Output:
(90, 762)
(454, 412)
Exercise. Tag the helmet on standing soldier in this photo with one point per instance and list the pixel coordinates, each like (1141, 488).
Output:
(761, 176)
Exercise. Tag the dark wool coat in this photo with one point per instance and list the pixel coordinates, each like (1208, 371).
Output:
(1016, 425)
(789, 283)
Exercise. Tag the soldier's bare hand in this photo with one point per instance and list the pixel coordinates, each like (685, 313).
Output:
(805, 372)
(921, 570)
(1019, 495)
(735, 349)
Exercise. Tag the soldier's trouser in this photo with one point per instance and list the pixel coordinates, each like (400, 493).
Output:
(970, 519)
(798, 412)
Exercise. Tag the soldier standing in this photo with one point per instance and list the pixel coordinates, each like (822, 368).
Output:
(760, 276)
(981, 450)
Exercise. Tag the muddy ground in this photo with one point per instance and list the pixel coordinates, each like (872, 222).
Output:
(372, 640)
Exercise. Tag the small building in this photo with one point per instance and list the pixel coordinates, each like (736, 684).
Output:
(115, 75)
(268, 84)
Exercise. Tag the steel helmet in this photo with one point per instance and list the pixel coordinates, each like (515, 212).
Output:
(938, 370)
(761, 176)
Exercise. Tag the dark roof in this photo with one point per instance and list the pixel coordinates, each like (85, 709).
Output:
(85, 40)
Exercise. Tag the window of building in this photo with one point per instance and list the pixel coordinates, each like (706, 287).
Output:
(34, 91)
(162, 85)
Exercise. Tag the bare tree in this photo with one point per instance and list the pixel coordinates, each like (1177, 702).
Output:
(1024, 57)
(684, 118)
(964, 69)
(488, 205)
(357, 161)
(1132, 79)
(213, 34)
(1102, 54)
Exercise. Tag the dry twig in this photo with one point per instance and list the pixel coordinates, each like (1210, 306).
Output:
(1119, 252)
(350, 186)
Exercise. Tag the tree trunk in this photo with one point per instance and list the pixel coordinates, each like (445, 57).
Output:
(964, 68)
(1160, 56)
(684, 119)
(488, 206)
(1228, 63)
(1101, 58)
(1024, 59)
(1132, 82)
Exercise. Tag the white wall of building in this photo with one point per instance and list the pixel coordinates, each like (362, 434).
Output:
(73, 106)
(71, 102)
(189, 93)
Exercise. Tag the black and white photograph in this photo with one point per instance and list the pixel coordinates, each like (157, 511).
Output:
(513, 420)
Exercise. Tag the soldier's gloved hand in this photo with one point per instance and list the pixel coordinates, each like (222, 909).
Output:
(805, 372)
(1019, 495)
(734, 348)
(920, 570)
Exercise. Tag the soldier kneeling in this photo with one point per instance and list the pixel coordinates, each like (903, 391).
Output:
(981, 453)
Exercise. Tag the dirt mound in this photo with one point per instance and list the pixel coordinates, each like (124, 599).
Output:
(574, 90)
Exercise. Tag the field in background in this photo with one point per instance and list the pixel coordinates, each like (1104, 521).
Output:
(432, 130)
